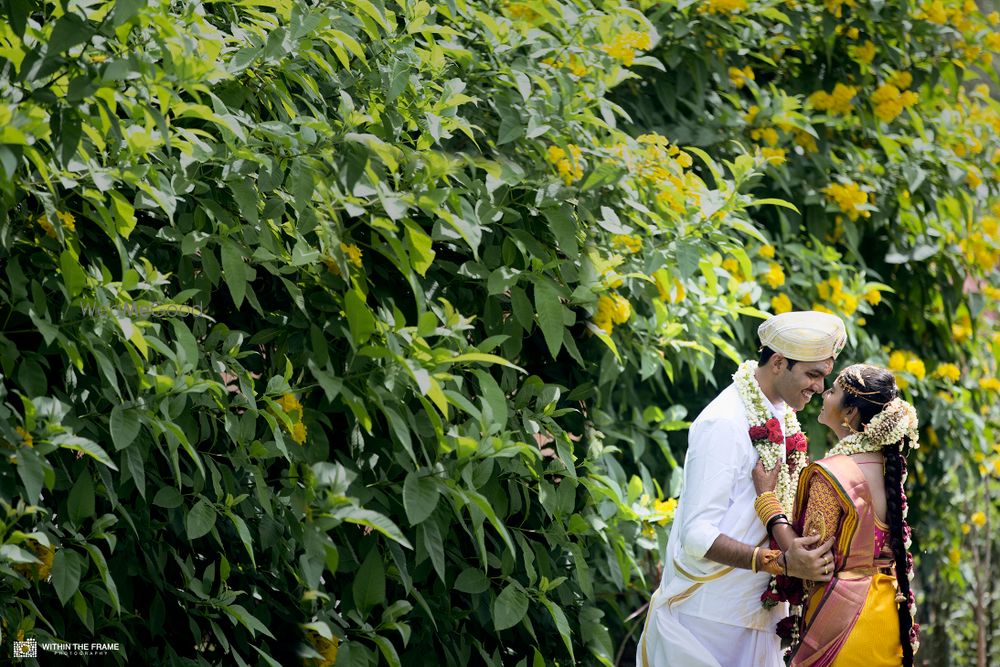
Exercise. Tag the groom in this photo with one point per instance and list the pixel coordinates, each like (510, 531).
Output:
(707, 611)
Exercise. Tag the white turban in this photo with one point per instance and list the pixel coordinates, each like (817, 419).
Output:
(806, 335)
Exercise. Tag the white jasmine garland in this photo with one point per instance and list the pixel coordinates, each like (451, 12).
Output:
(771, 453)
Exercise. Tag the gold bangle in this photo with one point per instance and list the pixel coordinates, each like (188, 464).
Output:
(753, 560)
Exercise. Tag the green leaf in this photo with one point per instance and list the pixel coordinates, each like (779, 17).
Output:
(81, 498)
(124, 426)
(234, 271)
(102, 567)
(774, 202)
(88, 447)
(562, 625)
(359, 317)
(72, 273)
(509, 607)
(247, 620)
(369, 582)
(124, 214)
(420, 496)
(168, 497)
(67, 568)
(472, 581)
(550, 314)
(200, 519)
(564, 229)
(379, 522)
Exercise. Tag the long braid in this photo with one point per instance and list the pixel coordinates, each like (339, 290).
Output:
(895, 469)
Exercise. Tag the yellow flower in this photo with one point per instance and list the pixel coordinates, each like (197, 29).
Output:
(821, 308)
(569, 166)
(978, 519)
(766, 251)
(852, 33)
(848, 197)
(955, 555)
(989, 384)
(67, 220)
(781, 304)
(630, 243)
(298, 432)
(897, 361)
(775, 156)
(916, 367)
(733, 267)
(966, 528)
(325, 647)
(624, 46)
(289, 403)
(665, 508)
(889, 101)
(673, 293)
(901, 79)
(751, 114)
(873, 296)
(806, 140)
(739, 77)
(864, 53)
(44, 553)
(722, 6)
(521, 11)
(775, 276)
(25, 436)
(352, 252)
(948, 372)
(622, 309)
(554, 154)
(44, 223)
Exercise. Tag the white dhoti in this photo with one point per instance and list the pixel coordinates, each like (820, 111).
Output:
(675, 639)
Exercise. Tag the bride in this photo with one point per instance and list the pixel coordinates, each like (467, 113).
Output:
(864, 614)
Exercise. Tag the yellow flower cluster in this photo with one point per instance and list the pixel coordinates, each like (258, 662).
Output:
(849, 198)
(832, 291)
(327, 648)
(989, 384)
(665, 510)
(574, 65)
(978, 519)
(732, 265)
(775, 276)
(836, 7)
(775, 156)
(979, 250)
(909, 362)
(839, 101)
(352, 252)
(661, 165)
(781, 304)
(766, 251)
(889, 101)
(806, 140)
(873, 296)
(66, 218)
(521, 11)
(768, 135)
(739, 77)
(949, 372)
(863, 54)
(722, 6)
(625, 44)
(630, 242)
(671, 292)
(961, 329)
(26, 437)
(569, 165)
(611, 310)
(291, 406)
(43, 552)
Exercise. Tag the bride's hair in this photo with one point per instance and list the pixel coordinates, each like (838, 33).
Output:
(869, 389)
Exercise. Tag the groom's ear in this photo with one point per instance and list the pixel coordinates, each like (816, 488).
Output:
(778, 362)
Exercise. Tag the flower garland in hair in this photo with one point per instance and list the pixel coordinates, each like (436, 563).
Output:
(896, 421)
(789, 451)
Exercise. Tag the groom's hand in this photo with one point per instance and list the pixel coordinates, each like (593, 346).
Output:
(806, 561)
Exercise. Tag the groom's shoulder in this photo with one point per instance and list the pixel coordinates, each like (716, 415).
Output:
(725, 407)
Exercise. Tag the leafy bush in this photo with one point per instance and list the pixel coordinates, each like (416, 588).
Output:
(355, 332)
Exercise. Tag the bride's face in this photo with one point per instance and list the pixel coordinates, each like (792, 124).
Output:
(832, 414)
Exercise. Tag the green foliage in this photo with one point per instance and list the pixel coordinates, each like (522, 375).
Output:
(357, 332)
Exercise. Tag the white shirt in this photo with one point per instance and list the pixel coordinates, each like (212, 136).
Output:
(717, 498)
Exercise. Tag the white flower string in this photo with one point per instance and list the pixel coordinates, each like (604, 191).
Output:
(771, 453)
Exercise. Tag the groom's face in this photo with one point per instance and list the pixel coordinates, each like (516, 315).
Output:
(797, 385)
